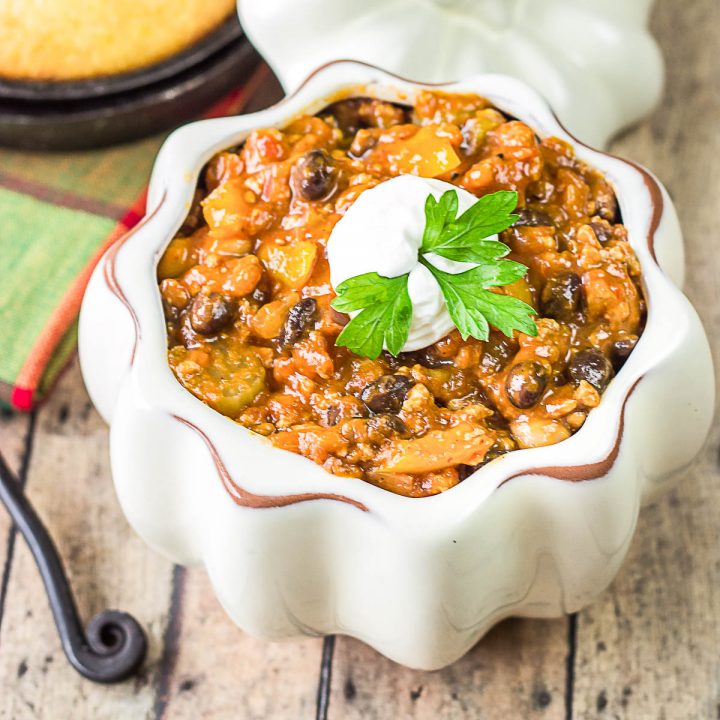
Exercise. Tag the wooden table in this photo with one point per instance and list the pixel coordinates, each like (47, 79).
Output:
(650, 648)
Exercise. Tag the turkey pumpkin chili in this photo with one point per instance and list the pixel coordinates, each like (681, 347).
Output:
(254, 317)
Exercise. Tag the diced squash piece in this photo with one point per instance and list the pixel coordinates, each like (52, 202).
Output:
(464, 444)
(229, 246)
(228, 378)
(177, 258)
(312, 441)
(426, 154)
(263, 147)
(288, 440)
(290, 264)
(226, 208)
(520, 289)
(243, 275)
(221, 168)
(232, 210)
(538, 432)
(269, 319)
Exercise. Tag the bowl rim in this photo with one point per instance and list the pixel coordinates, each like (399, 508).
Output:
(588, 454)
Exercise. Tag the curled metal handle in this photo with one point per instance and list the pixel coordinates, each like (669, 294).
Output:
(114, 645)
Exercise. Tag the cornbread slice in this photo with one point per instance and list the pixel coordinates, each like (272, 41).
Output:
(78, 39)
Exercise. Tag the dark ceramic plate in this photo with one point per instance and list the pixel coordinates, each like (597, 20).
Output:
(76, 123)
(44, 91)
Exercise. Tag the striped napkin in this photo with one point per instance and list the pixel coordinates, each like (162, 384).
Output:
(58, 213)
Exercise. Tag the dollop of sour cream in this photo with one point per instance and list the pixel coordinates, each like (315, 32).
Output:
(381, 232)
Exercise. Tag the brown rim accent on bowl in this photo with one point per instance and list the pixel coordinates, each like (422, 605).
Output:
(247, 499)
(110, 277)
(590, 471)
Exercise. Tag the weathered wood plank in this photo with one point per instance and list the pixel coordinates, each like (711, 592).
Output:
(220, 672)
(517, 671)
(649, 648)
(69, 482)
(15, 433)
(14, 429)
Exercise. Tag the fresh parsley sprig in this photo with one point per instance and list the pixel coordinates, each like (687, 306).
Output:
(472, 306)
(462, 239)
(384, 303)
(385, 313)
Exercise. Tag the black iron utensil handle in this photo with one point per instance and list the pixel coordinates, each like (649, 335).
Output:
(114, 645)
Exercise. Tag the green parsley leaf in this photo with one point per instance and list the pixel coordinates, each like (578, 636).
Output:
(472, 307)
(438, 214)
(385, 313)
(360, 291)
(462, 238)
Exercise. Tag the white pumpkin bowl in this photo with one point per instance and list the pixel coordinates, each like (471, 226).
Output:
(292, 550)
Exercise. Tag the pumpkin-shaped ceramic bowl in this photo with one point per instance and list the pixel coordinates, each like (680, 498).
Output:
(292, 550)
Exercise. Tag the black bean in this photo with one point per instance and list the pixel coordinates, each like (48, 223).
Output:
(390, 360)
(497, 351)
(211, 313)
(621, 350)
(427, 357)
(562, 296)
(525, 383)
(353, 114)
(592, 366)
(300, 317)
(386, 394)
(603, 231)
(314, 176)
(347, 114)
(530, 217)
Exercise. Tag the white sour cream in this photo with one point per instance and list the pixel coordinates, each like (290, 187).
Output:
(381, 232)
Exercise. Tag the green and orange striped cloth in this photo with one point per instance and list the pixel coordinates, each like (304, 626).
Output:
(58, 213)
